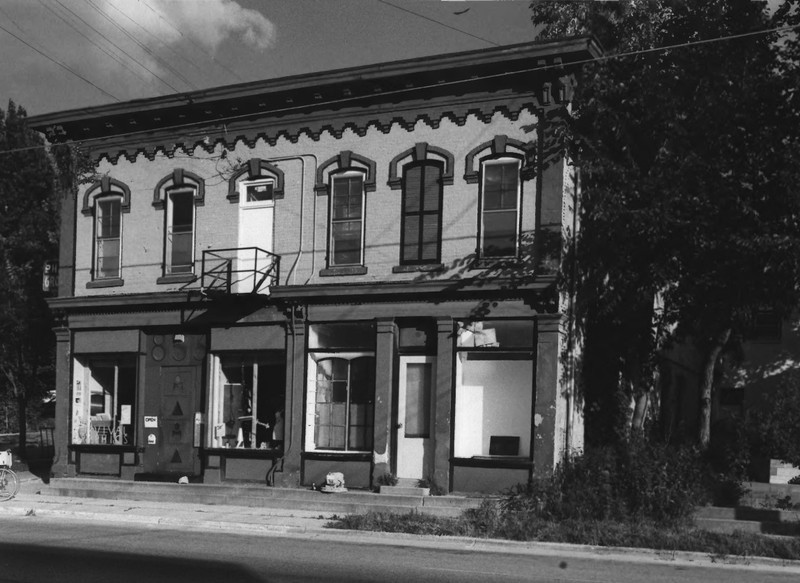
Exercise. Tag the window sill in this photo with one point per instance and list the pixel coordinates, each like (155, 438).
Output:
(244, 453)
(338, 455)
(98, 283)
(494, 461)
(417, 268)
(177, 278)
(335, 271)
(101, 447)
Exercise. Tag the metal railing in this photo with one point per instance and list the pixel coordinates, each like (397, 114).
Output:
(239, 270)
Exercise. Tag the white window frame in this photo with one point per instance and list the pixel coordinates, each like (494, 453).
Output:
(496, 162)
(97, 239)
(311, 395)
(333, 179)
(168, 231)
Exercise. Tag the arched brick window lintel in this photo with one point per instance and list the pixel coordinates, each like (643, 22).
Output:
(421, 151)
(500, 145)
(254, 169)
(345, 160)
(177, 179)
(106, 186)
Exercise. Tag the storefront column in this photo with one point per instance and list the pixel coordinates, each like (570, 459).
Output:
(384, 382)
(443, 402)
(295, 393)
(61, 435)
(547, 382)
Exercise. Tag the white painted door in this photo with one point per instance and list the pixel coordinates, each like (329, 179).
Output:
(415, 416)
(256, 210)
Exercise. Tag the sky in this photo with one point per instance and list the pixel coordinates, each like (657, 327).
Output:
(66, 54)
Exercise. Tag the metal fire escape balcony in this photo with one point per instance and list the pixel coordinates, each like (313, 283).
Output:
(239, 270)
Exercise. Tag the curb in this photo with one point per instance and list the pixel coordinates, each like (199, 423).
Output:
(563, 550)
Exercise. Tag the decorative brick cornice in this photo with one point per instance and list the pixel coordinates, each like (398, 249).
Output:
(177, 179)
(254, 169)
(106, 186)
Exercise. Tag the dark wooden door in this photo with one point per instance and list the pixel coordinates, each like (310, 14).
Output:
(179, 391)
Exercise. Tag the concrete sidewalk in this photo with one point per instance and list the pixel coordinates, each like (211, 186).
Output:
(33, 502)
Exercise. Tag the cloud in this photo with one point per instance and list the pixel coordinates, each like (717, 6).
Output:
(208, 23)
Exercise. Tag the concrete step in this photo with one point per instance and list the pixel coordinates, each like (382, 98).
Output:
(404, 491)
(760, 520)
(259, 496)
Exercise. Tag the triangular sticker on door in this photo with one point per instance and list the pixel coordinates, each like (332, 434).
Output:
(176, 458)
(177, 411)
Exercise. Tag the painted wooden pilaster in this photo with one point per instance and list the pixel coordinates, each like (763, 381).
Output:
(290, 475)
(61, 437)
(547, 382)
(384, 382)
(443, 402)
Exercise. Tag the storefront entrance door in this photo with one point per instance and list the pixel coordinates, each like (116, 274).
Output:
(415, 416)
(179, 392)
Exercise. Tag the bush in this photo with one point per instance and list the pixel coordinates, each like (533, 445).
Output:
(774, 428)
(640, 481)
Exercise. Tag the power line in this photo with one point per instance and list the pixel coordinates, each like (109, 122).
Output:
(141, 45)
(60, 64)
(116, 46)
(176, 29)
(113, 56)
(438, 22)
(221, 120)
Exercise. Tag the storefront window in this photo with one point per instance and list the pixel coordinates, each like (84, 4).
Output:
(341, 388)
(494, 389)
(104, 400)
(248, 400)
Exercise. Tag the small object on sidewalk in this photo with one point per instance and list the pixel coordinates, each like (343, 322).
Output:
(334, 482)
(183, 480)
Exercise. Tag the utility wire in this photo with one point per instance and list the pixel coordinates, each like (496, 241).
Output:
(100, 47)
(188, 38)
(157, 39)
(222, 120)
(438, 22)
(116, 46)
(141, 45)
(60, 64)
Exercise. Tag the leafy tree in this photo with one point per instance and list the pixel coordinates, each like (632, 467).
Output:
(689, 157)
(28, 237)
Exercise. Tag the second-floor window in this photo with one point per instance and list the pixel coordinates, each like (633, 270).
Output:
(346, 245)
(500, 196)
(179, 249)
(108, 237)
(422, 213)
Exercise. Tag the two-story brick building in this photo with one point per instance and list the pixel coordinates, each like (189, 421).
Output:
(345, 271)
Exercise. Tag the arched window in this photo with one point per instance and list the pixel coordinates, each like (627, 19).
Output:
(178, 194)
(106, 201)
(346, 244)
(421, 220)
(500, 204)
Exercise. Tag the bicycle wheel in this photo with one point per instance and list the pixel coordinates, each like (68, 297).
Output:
(9, 484)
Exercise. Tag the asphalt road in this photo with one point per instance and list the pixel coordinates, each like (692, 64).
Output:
(39, 550)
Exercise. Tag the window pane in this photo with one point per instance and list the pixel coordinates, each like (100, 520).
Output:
(433, 176)
(500, 185)
(493, 400)
(259, 192)
(418, 399)
(347, 197)
(497, 333)
(362, 379)
(352, 335)
(103, 410)
(430, 238)
(108, 218)
(107, 258)
(411, 192)
(411, 238)
(182, 210)
(500, 233)
(181, 253)
(346, 243)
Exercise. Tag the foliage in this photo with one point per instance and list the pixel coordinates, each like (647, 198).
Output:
(689, 158)
(488, 522)
(387, 479)
(774, 427)
(28, 237)
(431, 483)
